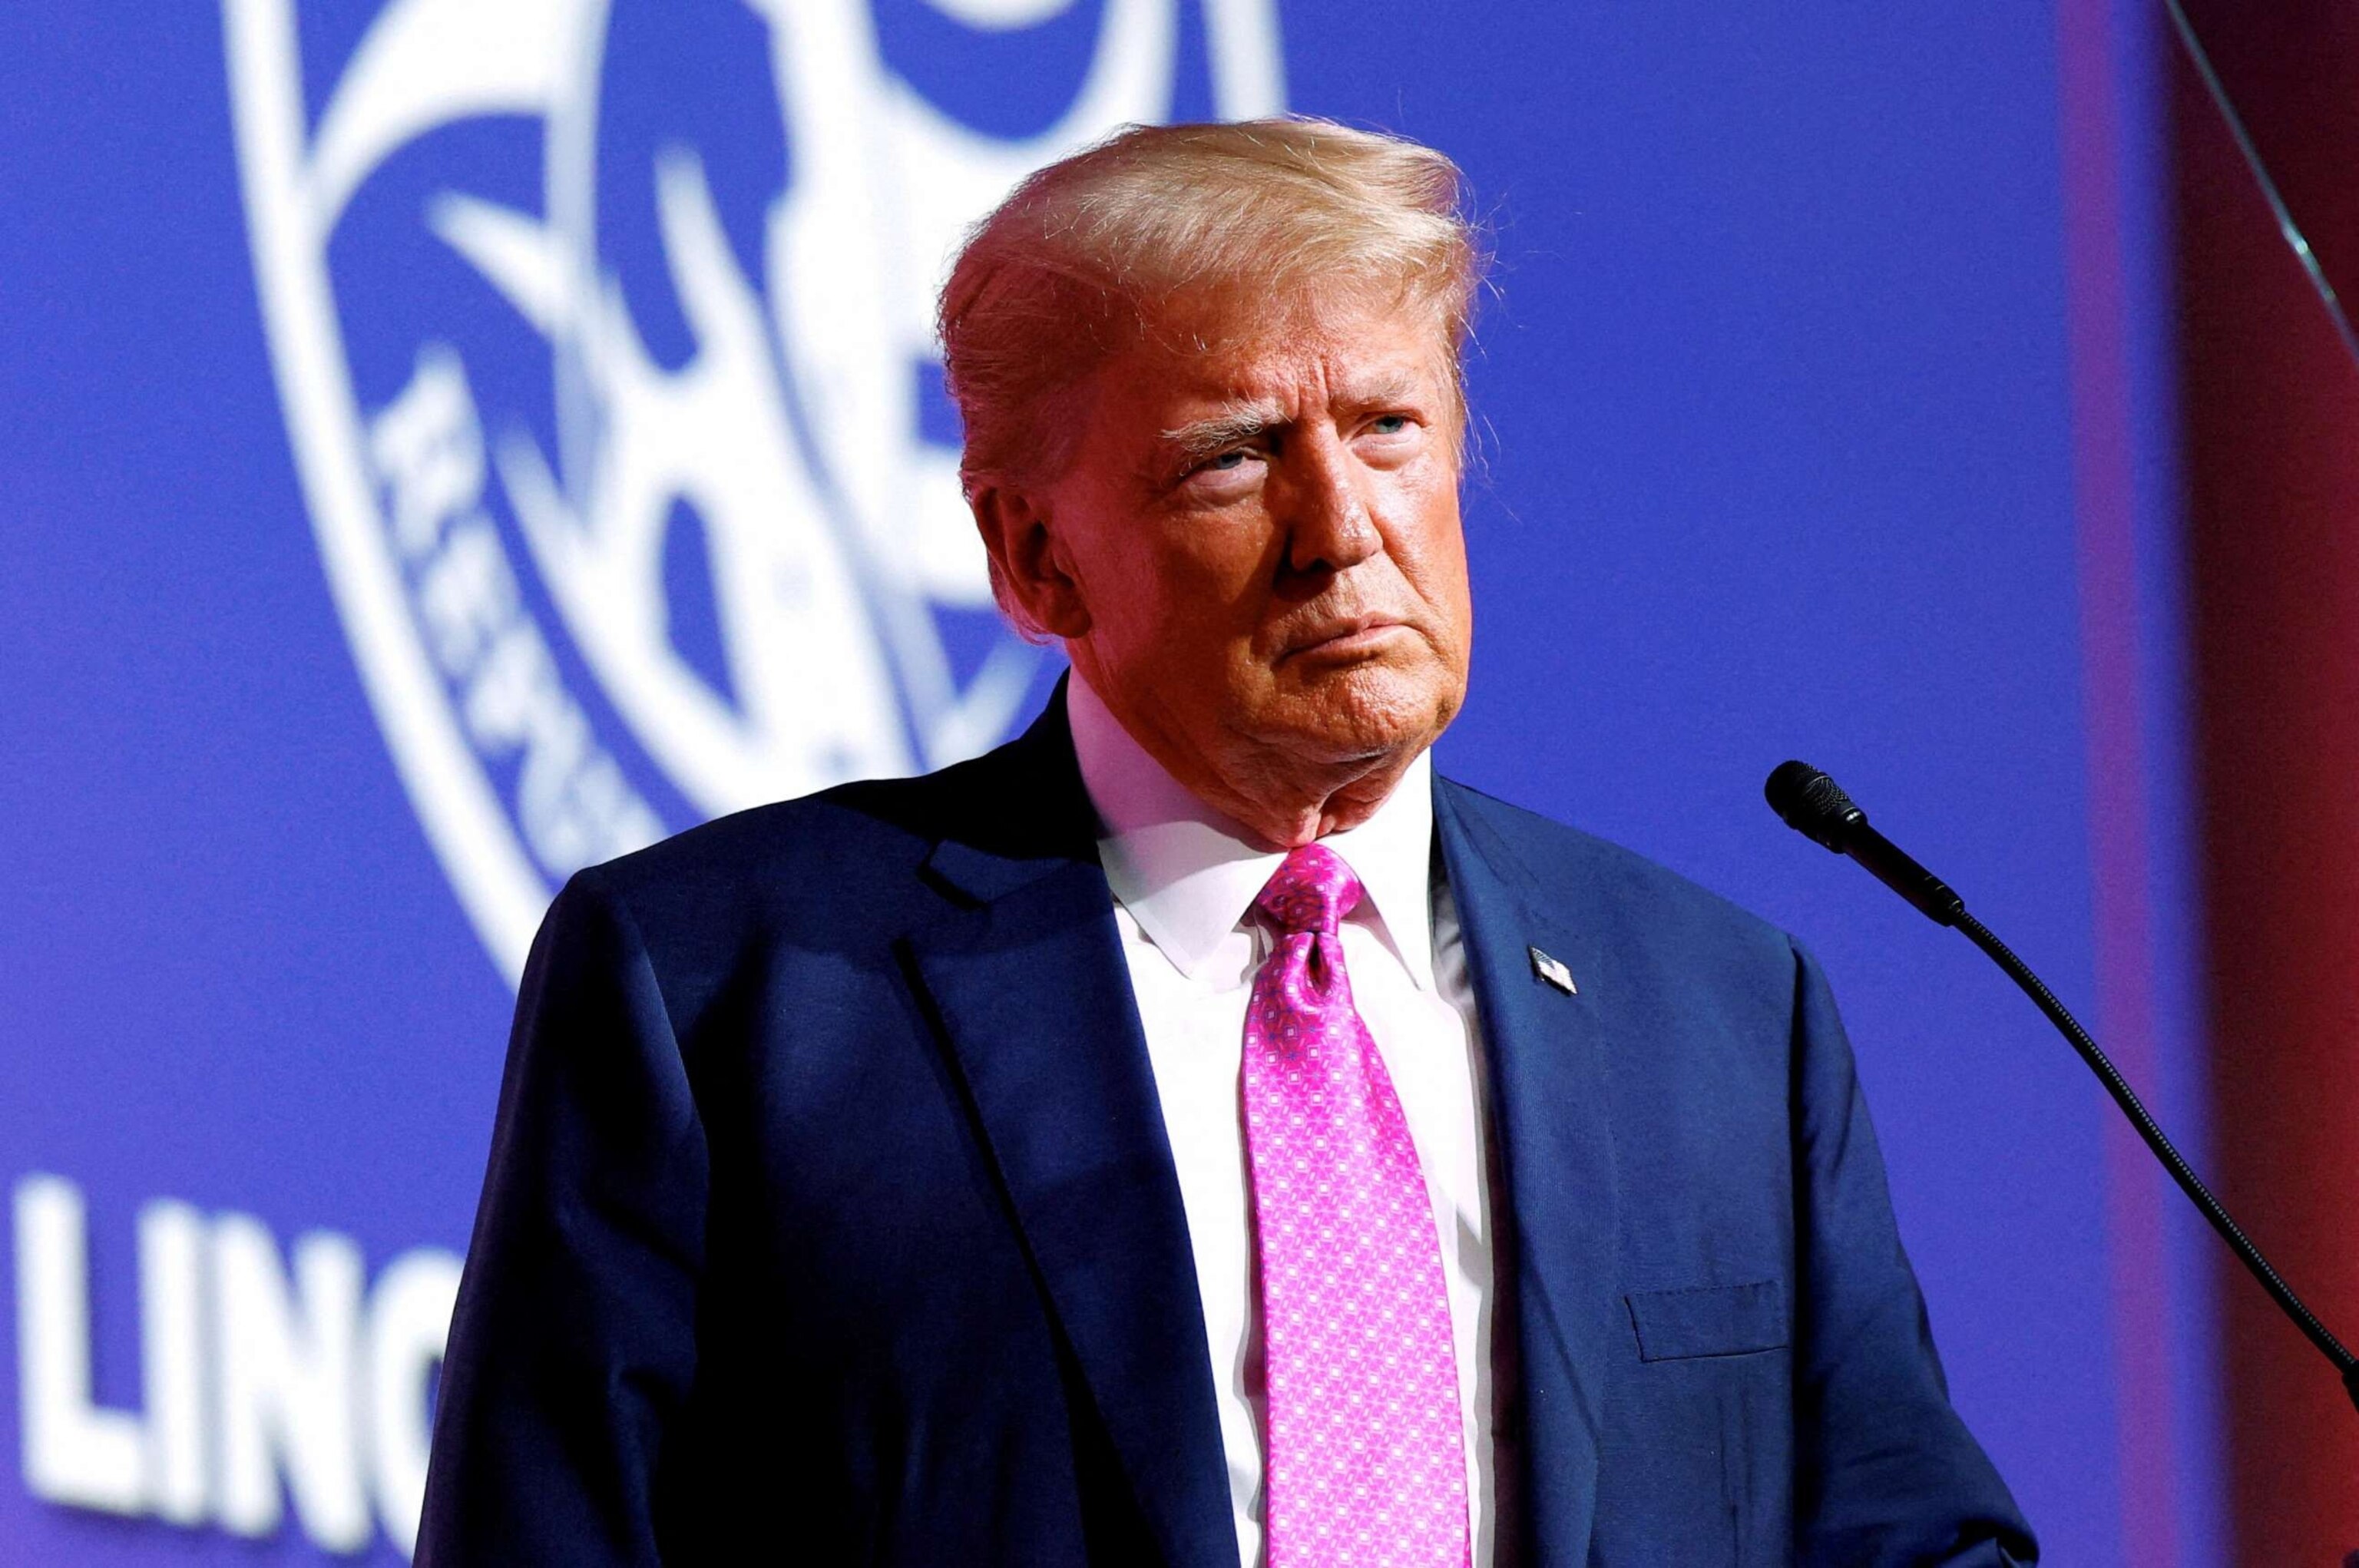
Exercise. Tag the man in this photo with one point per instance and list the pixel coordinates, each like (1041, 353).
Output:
(1193, 1133)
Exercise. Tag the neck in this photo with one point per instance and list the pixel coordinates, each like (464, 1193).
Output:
(1288, 805)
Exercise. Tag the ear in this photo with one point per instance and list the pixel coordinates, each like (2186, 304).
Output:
(1029, 561)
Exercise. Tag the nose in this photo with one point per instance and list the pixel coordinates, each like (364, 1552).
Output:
(1331, 526)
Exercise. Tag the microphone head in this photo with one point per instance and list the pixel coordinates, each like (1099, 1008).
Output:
(1812, 804)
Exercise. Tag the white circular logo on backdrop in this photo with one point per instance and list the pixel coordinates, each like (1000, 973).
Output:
(618, 418)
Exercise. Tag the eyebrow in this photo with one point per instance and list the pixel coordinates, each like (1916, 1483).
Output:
(1242, 421)
(1237, 424)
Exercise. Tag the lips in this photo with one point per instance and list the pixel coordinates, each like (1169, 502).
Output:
(1348, 636)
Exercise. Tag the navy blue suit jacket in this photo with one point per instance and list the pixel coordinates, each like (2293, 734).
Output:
(831, 1219)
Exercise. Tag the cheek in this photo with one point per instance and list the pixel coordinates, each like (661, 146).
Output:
(1430, 542)
(1158, 588)
(1203, 571)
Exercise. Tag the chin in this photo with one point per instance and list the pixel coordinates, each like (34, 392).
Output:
(1367, 712)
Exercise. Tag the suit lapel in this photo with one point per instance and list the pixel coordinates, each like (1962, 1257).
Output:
(1026, 973)
(1547, 1109)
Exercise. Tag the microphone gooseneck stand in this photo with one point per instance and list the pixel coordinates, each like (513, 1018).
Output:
(1816, 807)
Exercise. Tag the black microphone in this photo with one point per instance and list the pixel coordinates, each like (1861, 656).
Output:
(1816, 807)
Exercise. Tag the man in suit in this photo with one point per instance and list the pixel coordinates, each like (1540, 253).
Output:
(1193, 1133)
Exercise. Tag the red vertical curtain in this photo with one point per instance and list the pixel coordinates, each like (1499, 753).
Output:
(2269, 400)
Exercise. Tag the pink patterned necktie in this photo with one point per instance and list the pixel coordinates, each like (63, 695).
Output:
(1364, 1460)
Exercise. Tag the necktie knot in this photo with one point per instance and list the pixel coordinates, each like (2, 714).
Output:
(1312, 891)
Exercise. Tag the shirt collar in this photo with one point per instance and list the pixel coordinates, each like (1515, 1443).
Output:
(1188, 874)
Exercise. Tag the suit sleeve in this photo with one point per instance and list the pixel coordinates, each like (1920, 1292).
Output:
(573, 1346)
(1888, 1475)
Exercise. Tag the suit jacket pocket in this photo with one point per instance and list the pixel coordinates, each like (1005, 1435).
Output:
(1709, 1320)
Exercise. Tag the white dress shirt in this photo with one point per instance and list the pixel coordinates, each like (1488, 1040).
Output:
(1184, 879)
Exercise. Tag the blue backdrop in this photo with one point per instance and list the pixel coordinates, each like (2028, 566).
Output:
(443, 442)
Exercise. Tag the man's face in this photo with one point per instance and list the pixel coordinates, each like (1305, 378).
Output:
(1263, 539)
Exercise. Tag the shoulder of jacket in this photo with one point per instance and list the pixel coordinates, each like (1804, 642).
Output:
(1589, 878)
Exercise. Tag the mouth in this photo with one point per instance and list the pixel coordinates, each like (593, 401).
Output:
(1355, 637)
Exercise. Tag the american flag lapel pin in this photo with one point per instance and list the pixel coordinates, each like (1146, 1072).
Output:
(1553, 971)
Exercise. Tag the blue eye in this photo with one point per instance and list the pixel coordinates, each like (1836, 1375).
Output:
(1389, 424)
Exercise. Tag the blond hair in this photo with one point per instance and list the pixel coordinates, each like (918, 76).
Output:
(1073, 265)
